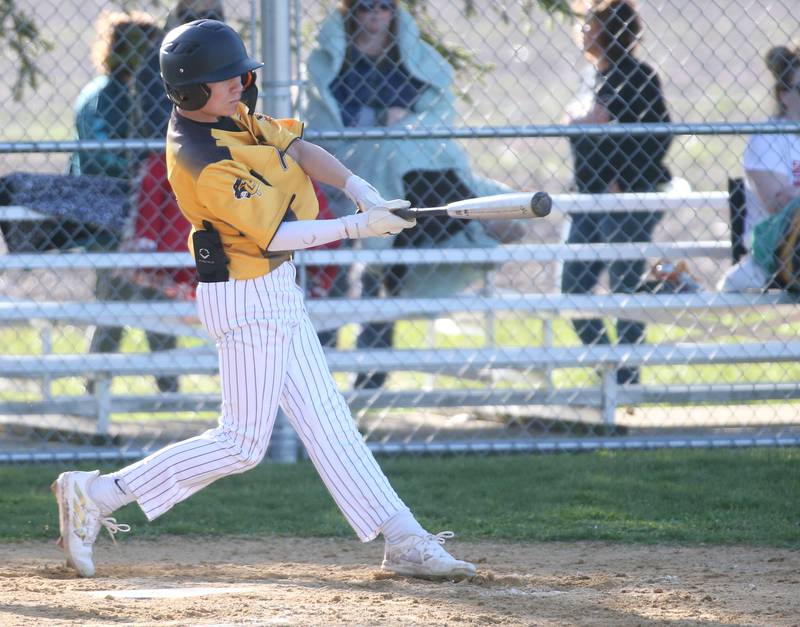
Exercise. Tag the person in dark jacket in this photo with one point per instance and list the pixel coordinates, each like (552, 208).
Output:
(153, 108)
(627, 90)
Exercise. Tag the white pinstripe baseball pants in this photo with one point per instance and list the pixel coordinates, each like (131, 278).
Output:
(269, 355)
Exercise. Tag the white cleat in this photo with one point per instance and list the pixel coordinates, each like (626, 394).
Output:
(424, 556)
(80, 519)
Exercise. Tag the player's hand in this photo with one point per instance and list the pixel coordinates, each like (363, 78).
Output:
(363, 195)
(378, 221)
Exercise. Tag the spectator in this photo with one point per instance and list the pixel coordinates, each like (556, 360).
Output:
(103, 108)
(153, 107)
(103, 112)
(371, 69)
(771, 168)
(321, 281)
(627, 90)
(159, 227)
(156, 224)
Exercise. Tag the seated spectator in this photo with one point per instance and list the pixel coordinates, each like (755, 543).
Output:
(104, 106)
(371, 69)
(158, 226)
(103, 111)
(321, 281)
(627, 90)
(156, 222)
(771, 168)
(775, 251)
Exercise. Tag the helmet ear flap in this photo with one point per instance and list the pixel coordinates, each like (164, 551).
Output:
(189, 98)
(250, 92)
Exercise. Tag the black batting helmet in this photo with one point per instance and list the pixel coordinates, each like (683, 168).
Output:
(200, 52)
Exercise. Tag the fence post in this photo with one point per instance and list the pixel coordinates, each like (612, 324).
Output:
(276, 29)
(102, 392)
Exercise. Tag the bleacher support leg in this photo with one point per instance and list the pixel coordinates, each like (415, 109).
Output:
(102, 393)
(46, 337)
(283, 446)
(548, 342)
(609, 394)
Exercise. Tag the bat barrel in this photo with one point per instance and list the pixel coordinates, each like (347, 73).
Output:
(498, 207)
(541, 204)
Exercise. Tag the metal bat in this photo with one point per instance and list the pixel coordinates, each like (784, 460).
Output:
(498, 207)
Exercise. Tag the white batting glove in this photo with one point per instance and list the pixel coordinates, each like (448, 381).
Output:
(378, 221)
(363, 195)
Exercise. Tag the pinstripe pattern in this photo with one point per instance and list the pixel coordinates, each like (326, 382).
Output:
(269, 356)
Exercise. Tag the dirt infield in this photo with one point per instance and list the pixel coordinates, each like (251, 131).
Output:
(291, 581)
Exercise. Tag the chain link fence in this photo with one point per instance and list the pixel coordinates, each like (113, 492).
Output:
(664, 134)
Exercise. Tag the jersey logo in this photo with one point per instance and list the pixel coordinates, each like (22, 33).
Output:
(246, 188)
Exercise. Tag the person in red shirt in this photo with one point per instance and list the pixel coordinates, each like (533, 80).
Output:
(322, 281)
(157, 226)
(161, 227)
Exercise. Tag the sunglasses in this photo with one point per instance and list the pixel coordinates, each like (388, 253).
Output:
(374, 5)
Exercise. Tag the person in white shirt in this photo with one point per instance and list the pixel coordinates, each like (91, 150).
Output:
(771, 167)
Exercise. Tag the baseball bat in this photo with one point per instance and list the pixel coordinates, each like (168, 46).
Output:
(497, 207)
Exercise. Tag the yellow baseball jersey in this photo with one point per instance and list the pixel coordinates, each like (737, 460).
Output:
(235, 174)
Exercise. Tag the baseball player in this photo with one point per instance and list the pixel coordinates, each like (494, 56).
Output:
(242, 181)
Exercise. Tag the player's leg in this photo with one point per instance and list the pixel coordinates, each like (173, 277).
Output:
(252, 354)
(252, 347)
(359, 487)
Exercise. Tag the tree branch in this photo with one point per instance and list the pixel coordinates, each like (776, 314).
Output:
(24, 40)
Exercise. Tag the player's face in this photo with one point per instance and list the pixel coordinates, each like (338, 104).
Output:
(225, 95)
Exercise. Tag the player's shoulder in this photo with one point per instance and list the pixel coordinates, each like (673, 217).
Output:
(194, 143)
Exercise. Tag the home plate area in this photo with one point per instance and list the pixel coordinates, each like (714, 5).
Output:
(166, 593)
(335, 581)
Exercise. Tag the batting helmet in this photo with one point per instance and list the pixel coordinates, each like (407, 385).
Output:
(200, 52)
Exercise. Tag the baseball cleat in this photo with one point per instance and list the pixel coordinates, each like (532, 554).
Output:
(79, 520)
(424, 556)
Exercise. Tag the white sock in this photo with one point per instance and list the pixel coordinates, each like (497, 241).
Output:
(400, 525)
(110, 493)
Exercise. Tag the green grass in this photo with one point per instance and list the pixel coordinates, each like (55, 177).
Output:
(689, 497)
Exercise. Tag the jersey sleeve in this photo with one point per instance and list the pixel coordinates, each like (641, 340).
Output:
(240, 200)
(765, 152)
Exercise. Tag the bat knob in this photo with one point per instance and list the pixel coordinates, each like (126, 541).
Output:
(541, 204)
